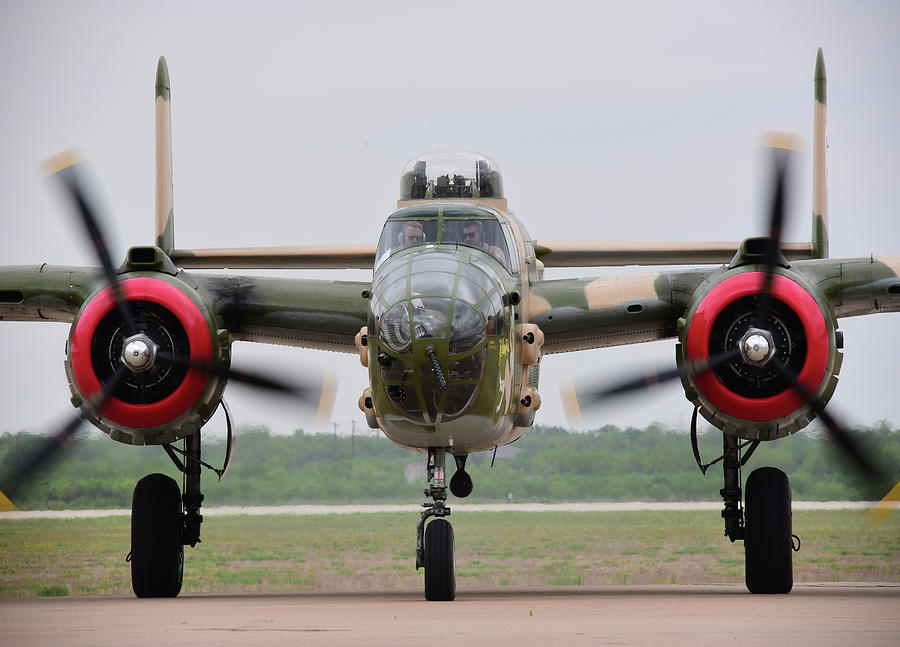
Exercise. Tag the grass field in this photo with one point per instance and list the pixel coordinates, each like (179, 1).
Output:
(493, 550)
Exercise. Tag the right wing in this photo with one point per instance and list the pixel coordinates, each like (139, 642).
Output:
(308, 313)
(583, 313)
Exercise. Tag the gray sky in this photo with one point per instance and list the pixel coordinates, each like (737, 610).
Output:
(292, 122)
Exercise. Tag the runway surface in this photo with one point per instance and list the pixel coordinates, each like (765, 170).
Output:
(820, 614)
(627, 506)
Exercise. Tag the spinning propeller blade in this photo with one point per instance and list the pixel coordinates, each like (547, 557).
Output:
(577, 400)
(65, 167)
(320, 396)
(848, 445)
(780, 159)
(574, 399)
(61, 437)
(886, 506)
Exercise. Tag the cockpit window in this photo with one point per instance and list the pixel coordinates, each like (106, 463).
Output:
(466, 225)
(448, 175)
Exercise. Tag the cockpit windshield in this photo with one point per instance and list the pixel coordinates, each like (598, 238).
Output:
(454, 174)
(456, 224)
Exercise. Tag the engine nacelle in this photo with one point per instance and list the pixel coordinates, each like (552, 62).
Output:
(753, 401)
(165, 402)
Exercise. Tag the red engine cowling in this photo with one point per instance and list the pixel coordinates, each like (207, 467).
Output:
(165, 402)
(748, 401)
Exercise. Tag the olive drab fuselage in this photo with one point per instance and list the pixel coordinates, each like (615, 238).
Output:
(446, 367)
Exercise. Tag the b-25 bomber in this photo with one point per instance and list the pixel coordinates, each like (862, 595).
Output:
(452, 329)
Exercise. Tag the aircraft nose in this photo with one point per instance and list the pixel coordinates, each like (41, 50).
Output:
(433, 319)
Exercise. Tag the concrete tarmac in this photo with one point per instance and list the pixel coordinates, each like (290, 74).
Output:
(820, 614)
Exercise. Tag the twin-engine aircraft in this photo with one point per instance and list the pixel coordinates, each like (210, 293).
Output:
(452, 328)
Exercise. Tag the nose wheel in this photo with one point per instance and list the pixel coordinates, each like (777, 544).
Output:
(440, 566)
(434, 542)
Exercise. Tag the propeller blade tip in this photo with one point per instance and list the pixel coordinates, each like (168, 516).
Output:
(5, 504)
(326, 399)
(890, 502)
(570, 403)
(782, 140)
(61, 161)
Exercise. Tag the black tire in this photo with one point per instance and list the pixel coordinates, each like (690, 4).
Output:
(440, 571)
(157, 552)
(768, 548)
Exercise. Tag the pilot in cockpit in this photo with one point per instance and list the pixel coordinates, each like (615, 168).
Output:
(413, 234)
(473, 235)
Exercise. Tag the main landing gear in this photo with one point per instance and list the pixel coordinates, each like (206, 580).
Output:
(164, 521)
(157, 551)
(764, 524)
(434, 542)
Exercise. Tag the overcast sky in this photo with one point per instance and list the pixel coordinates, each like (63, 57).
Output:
(292, 122)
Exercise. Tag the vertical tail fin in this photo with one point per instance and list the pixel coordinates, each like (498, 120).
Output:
(165, 214)
(820, 188)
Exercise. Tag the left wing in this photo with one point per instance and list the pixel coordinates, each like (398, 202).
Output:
(288, 311)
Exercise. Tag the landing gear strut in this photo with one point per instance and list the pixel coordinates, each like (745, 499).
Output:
(434, 543)
(732, 513)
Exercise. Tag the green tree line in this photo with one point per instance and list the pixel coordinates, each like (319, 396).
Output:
(548, 464)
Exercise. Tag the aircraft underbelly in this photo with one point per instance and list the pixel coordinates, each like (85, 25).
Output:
(470, 433)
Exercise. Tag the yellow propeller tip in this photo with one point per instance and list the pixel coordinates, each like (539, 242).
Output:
(570, 403)
(782, 140)
(887, 505)
(326, 400)
(6, 505)
(61, 161)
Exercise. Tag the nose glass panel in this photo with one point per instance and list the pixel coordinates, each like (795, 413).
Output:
(433, 313)
(430, 317)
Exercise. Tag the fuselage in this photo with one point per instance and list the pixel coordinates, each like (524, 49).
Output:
(445, 357)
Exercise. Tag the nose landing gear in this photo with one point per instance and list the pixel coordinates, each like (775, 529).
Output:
(434, 544)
